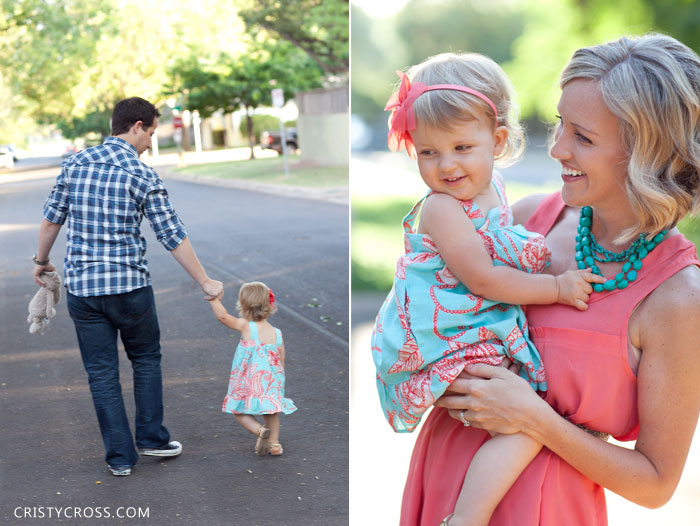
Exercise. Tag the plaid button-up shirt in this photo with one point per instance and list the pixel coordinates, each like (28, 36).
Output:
(104, 192)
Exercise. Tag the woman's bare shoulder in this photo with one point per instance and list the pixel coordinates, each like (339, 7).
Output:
(673, 308)
(525, 207)
(679, 293)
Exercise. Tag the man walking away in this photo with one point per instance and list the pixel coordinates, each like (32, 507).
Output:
(103, 193)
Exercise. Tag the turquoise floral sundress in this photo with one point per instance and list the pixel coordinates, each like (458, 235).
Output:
(430, 326)
(256, 383)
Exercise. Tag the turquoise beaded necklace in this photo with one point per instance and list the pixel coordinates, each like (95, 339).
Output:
(588, 251)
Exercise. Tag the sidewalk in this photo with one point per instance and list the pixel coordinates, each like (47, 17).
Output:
(167, 163)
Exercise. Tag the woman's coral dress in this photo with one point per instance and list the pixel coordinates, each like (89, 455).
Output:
(590, 381)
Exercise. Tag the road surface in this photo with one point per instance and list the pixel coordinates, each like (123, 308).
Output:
(52, 457)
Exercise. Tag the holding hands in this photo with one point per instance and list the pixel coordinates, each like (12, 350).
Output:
(212, 289)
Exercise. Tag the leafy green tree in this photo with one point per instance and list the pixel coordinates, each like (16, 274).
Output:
(45, 48)
(319, 27)
(422, 29)
(97, 122)
(553, 31)
(463, 26)
(66, 60)
(229, 83)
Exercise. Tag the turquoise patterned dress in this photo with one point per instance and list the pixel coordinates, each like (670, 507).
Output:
(430, 326)
(256, 384)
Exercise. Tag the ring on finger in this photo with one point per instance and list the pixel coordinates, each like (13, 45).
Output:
(464, 421)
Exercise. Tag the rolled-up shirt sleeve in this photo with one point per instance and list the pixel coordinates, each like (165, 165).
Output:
(56, 205)
(166, 224)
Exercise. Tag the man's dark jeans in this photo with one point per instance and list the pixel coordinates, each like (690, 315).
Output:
(97, 320)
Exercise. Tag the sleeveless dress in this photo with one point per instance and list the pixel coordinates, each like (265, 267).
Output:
(589, 381)
(430, 326)
(256, 384)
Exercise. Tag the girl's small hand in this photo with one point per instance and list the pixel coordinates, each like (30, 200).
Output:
(574, 287)
(492, 398)
(212, 289)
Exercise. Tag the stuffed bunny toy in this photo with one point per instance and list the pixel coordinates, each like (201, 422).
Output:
(41, 306)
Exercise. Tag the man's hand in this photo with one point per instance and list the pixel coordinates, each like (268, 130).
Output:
(38, 270)
(212, 289)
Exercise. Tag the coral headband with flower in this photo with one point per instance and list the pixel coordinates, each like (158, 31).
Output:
(402, 119)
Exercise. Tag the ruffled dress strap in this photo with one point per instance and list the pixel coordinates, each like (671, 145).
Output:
(474, 213)
(410, 218)
(278, 334)
(254, 331)
(500, 190)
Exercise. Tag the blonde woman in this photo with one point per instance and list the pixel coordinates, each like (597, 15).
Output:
(628, 366)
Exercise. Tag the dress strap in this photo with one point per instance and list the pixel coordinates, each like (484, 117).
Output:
(546, 214)
(253, 331)
(670, 256)
(500, 190)
(410, 218)
(278, 341)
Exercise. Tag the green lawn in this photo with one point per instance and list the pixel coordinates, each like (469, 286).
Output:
(377, 235)
(271, 171)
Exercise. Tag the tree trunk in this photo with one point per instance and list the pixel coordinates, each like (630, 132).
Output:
(251, 134)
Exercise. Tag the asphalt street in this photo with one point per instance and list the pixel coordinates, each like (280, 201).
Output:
(51, 466)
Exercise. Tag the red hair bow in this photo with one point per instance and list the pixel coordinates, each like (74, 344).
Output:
(272, 298)
(402, 119)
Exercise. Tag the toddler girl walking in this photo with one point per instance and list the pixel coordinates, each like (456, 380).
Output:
(256, 384)
(467, 268)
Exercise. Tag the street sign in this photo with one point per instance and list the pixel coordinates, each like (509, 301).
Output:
(177, 121)
(277, 98)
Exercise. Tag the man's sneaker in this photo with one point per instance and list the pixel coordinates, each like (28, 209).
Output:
(120, 472)
(171, 449)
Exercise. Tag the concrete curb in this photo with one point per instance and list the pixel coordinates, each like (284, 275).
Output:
(337, 195)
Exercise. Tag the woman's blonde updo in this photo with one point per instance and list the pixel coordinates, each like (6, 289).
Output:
(652, 84)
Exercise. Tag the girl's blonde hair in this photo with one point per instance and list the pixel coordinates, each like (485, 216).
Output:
(254, 301)
(440, 108)
(652, 84)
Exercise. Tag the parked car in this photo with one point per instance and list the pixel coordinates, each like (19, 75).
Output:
(9, 148)
(271, 140)
(7, 159)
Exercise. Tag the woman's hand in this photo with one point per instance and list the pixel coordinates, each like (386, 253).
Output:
(492, 398)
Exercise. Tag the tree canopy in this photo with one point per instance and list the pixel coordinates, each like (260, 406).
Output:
(531, 39)
(66, 60)
(245, 81)
(319, 27)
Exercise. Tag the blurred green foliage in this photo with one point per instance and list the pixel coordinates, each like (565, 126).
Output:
(63, 61)
(377, 235)
(531, 39)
